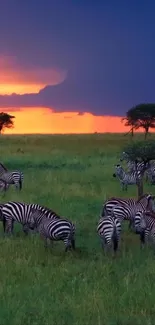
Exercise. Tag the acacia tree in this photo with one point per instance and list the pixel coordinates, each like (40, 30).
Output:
(141, 151)
(6, 121)
(130, 122)
(141, 116)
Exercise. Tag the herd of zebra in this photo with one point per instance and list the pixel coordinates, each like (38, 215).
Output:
(34, 217)
(130, 177)
(140, 213)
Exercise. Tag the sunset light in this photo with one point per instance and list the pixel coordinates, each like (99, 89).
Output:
(16, 79)
(44, 120)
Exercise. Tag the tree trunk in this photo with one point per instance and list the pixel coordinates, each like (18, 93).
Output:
(146, 132)
(140, 187)
(139, 181)
(132, 133)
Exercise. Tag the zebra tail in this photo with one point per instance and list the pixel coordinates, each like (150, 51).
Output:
(115, 240)
(103, 212)
(71, 237)
(20, 182)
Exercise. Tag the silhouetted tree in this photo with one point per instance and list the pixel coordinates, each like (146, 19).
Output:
(141, 151)
(141, 116)
(6, 121)
(130, 122)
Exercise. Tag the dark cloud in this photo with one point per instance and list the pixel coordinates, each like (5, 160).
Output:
(107, 48)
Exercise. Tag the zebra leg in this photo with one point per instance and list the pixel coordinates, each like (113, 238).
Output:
(9, 227)
(45, 239)
(105, 245)
(130, 224)
(142, 238)
(73, 243)
(25, 230)
(4, 224)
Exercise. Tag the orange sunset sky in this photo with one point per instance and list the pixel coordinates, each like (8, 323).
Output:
(16, 80)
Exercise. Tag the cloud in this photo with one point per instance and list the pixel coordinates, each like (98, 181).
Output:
(16, 79)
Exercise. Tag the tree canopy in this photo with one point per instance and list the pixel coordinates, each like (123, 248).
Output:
(141, 150)
(6, 121)
(141, 116)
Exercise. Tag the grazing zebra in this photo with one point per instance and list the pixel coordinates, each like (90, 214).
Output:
(21, 213)
(145, 225)
(3, 185)
(126, 178)
(113, 201)
(128, 212)
(11, 177)
(54, 229)
(109, 230)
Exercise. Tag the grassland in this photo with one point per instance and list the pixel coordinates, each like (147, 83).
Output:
(73, 176)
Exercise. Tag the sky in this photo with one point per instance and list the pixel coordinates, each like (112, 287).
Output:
(75, 66)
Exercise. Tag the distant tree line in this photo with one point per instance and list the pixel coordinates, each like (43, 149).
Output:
(140, 116)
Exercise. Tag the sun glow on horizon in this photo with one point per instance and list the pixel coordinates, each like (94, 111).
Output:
(43, 120)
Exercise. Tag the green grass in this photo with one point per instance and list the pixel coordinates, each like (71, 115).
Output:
(73, 176)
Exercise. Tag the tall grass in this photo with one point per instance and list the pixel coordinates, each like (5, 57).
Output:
(73, 176)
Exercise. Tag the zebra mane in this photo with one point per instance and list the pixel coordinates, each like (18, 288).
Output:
(3, 167)
(144, 195)
(150, 214)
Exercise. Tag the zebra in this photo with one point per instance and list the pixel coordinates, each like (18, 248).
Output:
(150, 173)
(145, 225)
(4, 186)
(11, 177)
(131, 164)
(126, 178)
(21, 213)
(54, 229)
(128, 212)
(109, 230)
(112, 202)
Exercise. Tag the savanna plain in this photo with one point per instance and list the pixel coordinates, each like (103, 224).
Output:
(72, 174)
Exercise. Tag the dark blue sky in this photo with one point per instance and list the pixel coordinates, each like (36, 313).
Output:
(107, 47)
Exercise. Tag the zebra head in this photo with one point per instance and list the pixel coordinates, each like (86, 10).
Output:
(118, 171)
(124, 156)
(140, 222)
(151, 202)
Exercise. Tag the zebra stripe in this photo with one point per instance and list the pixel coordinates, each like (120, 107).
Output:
(112, 202)
(131, 164)
(126, 178)
(128, 212)
(55, 229)
(109, 230)
(21, 213)
(11, 177)
(150, 173)
(145, 225)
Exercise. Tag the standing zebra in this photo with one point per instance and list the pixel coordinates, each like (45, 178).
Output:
(11, 177)
(21, 213)
(128, 212)
(145, 225)
(109, 230)
(54, 229)
(126, 178)
(131, 164)
(150, 173)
